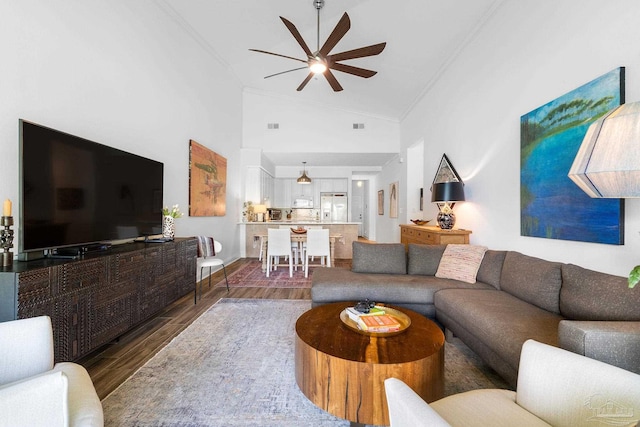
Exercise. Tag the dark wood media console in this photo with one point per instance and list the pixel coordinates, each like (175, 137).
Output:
(95, 299)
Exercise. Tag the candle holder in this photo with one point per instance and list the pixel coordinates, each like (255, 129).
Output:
(6, 240)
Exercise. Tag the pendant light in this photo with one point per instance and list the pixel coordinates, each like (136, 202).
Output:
(304, 179)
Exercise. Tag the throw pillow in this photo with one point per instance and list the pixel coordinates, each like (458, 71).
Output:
(424, 259)
(591, 295)
(386, 258)
(205, 247)
(534, 280)
(461, 262)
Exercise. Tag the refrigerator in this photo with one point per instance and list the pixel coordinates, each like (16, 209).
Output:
(333, 207)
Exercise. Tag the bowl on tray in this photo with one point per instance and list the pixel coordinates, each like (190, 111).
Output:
(299, 230)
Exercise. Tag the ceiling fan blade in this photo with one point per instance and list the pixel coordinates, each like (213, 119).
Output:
(284, 72)
(372, 50)
(296, 35)
(360, 72)
(304, 82)
(277, 54)
(336, 35)
(332, 80)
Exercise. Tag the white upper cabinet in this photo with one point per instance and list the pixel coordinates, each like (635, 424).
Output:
(282, 193)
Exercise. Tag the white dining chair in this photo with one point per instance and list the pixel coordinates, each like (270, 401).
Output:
(317, 246)
(279, 245)
(295, 248)
(303, 246)
(208, 248)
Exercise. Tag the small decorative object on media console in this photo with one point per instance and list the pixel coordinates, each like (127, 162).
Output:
(6, 234)
(168, 221)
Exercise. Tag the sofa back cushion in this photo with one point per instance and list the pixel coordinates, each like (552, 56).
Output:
(591, 295)
(424, 259)
(388, 258)
(533, 280)
(491, 268)
(461, 262)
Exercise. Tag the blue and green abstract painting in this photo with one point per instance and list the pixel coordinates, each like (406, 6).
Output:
(551, 205)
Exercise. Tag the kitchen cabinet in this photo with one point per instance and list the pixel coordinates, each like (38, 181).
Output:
(282, 193)
(302, 191)
(259, 185)
(333, 185)
(266, 188)
(329, 185)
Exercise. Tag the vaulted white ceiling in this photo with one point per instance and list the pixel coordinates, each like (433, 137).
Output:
(422, 37)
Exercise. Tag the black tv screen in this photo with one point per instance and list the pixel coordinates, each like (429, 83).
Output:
(76, 192)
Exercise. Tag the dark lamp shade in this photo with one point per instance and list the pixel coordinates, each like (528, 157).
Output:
(447, 192)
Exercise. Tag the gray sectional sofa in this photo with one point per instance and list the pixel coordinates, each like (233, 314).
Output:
(515, 298)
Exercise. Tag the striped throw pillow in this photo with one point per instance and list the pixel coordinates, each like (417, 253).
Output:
(461, 262)
(205, 247)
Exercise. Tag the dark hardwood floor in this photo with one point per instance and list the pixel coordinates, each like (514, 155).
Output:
(114, 363)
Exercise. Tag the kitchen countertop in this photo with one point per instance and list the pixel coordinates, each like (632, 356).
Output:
(291, 222)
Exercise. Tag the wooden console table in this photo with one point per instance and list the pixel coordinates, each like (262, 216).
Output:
(424, 235)
(95, 299)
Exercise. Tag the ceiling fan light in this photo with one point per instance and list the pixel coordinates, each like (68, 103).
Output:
(317, 67)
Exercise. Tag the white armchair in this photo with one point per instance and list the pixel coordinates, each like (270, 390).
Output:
(555, 388)
(34, 392)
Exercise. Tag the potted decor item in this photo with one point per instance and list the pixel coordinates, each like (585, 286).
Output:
(634, 276)
(168, 221)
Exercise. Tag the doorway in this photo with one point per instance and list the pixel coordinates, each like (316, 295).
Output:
(360, 206)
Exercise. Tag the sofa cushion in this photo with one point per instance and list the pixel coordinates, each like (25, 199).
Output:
(461, 262)
(491, 267)
(533, 280)
(388, 258)
(502, 322)
(424, 259)
(591, 295)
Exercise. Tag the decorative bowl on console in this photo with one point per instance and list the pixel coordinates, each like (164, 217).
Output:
(419, 221)
(299, 230)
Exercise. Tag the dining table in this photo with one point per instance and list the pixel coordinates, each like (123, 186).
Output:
(300, 238)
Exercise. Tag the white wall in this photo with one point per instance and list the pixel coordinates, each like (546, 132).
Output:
(124, 74)
(387, 229)
(311, 128)
(528, 54)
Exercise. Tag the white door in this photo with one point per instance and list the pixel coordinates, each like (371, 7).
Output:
(358, 211)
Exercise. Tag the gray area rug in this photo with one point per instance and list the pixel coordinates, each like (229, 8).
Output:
(234, 366)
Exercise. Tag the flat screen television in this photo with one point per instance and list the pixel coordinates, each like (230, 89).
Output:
(75, 192)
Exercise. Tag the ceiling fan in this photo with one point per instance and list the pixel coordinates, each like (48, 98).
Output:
(320, 62)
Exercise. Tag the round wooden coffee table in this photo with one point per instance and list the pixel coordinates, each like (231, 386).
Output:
(343, 372)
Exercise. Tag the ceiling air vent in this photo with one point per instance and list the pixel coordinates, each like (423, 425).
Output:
(358, 125)
(273, 125)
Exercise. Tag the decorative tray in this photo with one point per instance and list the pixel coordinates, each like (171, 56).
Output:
(299, 230)
(402, 318)
(419, 221)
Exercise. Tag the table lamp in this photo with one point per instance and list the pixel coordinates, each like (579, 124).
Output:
(259, 211)
(445, 195)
